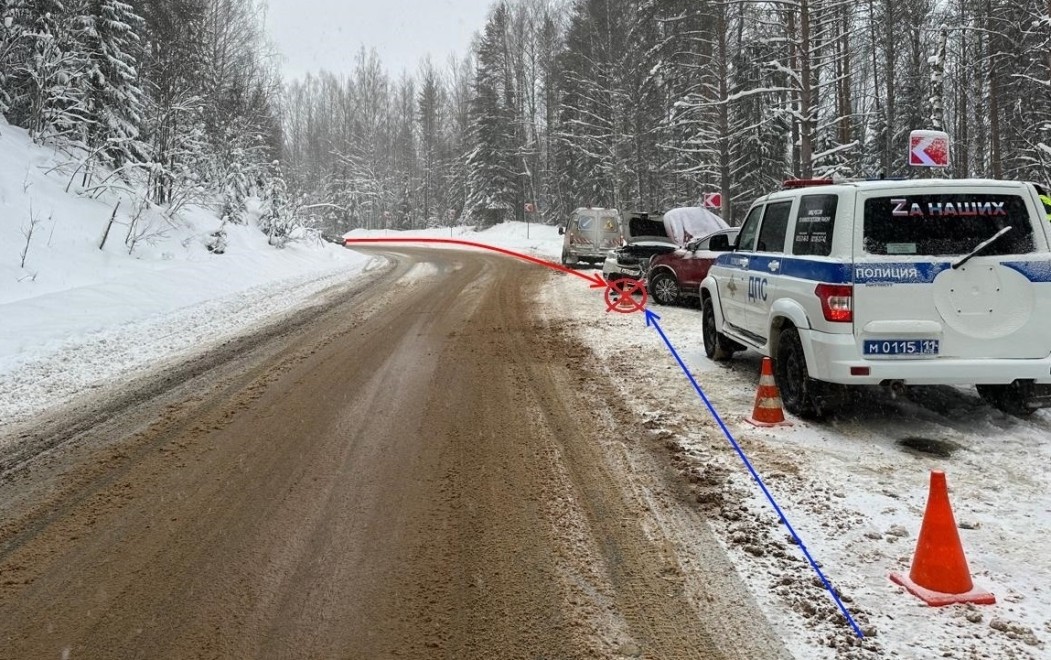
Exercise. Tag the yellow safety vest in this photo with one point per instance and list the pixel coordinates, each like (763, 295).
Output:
(1047, 205)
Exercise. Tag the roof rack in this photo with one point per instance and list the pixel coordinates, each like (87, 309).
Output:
(790, 184)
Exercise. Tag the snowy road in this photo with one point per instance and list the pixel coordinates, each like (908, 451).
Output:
(417, 467)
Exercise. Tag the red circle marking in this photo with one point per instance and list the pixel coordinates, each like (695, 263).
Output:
(625, 302)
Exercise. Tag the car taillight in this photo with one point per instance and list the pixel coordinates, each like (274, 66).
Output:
(837, 302)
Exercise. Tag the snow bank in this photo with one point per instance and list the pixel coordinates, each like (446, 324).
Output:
(76, 316)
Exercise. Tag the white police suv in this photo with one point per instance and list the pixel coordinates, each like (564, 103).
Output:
(923, 282)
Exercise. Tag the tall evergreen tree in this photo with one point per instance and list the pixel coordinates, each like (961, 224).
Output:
(431, 104)
(173, 70)
(491, 164)
(10, 38)
(115, 101)
(49, 98)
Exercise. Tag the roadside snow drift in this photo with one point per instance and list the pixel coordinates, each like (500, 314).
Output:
(76, 316)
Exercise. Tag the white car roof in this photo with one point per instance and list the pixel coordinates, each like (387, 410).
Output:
(895, 184)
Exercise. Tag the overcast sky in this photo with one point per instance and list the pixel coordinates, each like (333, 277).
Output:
(327, 34)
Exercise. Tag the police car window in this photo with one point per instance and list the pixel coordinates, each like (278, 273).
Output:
(938, 225)
(814, 223)
(775, 227)
(749, 230)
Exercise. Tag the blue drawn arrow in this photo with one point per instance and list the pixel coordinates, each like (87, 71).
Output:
(652, 320)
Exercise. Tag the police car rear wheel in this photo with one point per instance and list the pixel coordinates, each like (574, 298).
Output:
(1006, 398)
(800, 394)
(664, 289)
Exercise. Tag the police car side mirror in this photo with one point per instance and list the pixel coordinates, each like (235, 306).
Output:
(561, 230)
(719, 243)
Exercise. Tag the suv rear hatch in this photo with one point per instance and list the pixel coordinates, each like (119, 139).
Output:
(644, 227)
(915, 294)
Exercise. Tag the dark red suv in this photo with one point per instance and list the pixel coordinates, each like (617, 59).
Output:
(677, 275)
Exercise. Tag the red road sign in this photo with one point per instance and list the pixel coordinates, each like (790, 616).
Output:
(530, 207)
(713, 200)
(928, 149)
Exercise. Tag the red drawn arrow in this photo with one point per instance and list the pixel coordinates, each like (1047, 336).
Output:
(595, 279)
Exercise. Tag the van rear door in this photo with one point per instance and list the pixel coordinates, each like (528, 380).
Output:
(610, 234)
(915, 296)
(596, 231)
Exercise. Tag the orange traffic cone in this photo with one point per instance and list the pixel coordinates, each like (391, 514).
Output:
(939, 574)
(767, 410)
(625, 301)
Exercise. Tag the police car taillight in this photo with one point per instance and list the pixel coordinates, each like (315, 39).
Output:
(837, 302)
(789, 184)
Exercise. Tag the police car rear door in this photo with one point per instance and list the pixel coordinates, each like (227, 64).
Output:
(918, 296)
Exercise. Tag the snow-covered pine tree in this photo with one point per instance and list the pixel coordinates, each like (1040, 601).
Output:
(458, 131)
(115, 101)
(760, 119)
(692, 72)
(555, 205)
(48, 93)
(912, 79)
(1037, 38)
(172, 69)
(277, 220)
(237, 88)
(595, 104)
(431, 103)
(491, 165)
(837, 134)
(1025, 87)
(10, 41)
(236, 189)
(404, 150)
(645, 106)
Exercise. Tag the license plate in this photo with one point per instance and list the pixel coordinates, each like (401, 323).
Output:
(901, 347)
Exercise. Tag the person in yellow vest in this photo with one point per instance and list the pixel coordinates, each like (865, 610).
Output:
(1046, 199)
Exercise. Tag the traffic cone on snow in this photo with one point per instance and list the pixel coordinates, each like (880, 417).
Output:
(767, 410)
(625, 301)
(939, 574)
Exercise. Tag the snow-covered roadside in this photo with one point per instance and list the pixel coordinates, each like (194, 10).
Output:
(854, 495)
(74, 316)
(91, 353)
(530, 238)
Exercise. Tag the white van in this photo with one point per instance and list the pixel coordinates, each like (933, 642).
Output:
(926, 282)
(589, 235)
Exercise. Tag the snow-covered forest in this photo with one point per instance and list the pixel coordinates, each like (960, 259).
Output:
(628, 103)
(650, 103)
(168, 102)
